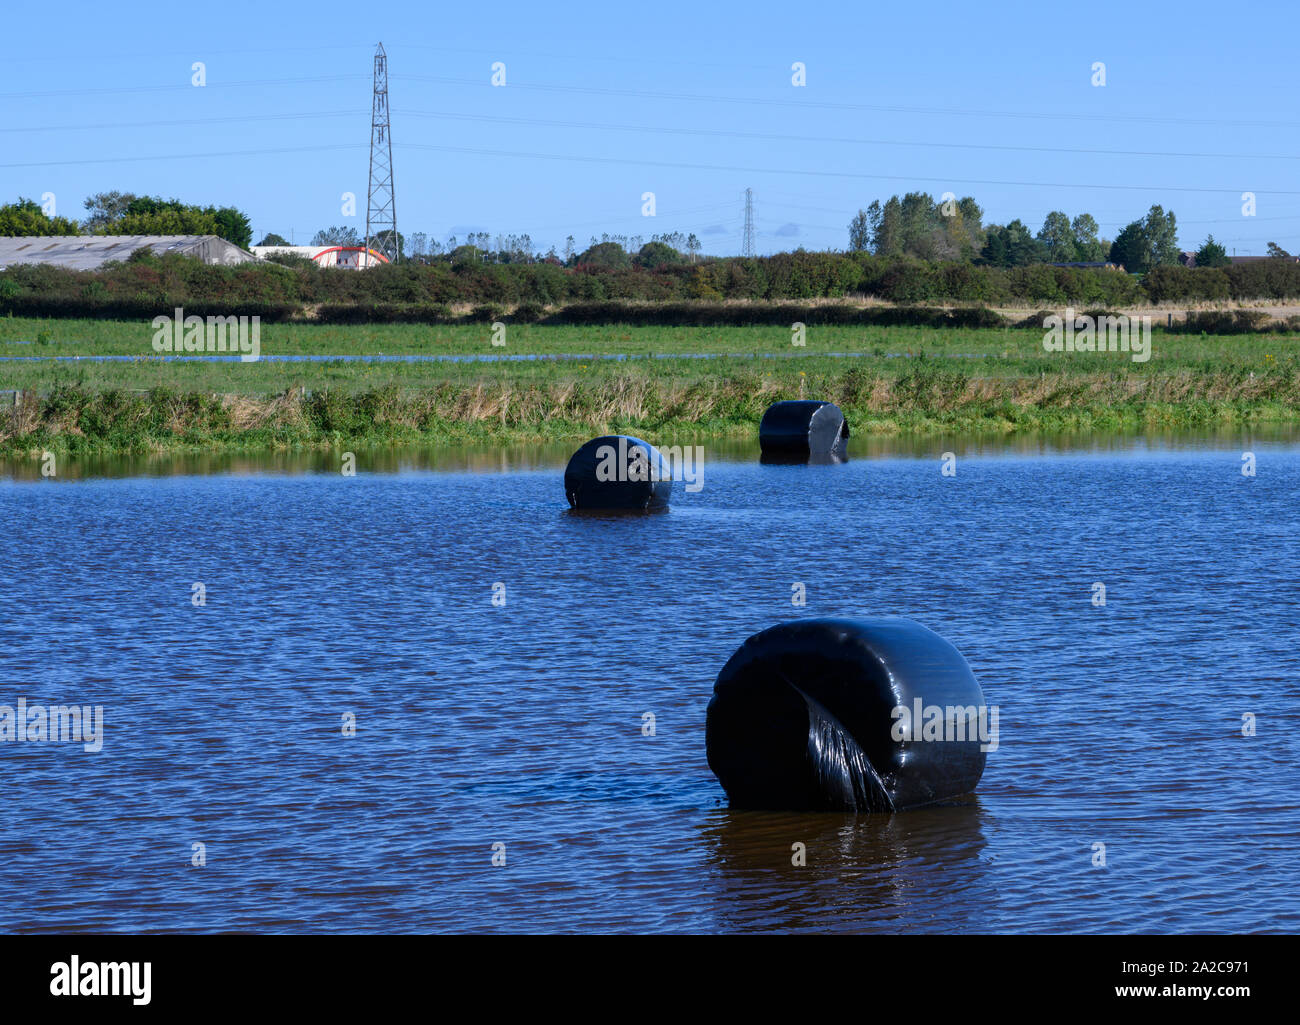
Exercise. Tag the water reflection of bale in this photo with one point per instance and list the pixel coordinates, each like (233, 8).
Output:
(818, 459)
(803, 431)
(860, 874)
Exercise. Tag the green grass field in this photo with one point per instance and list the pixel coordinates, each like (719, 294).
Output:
(905, 380)
(18, 337)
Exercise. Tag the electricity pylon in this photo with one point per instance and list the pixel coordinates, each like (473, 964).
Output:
(381, 203)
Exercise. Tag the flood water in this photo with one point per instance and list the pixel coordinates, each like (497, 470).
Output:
(521, 724)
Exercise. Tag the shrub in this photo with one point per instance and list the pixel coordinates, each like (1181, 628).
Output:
(1223, 322)
(528, 313)
(487, 313)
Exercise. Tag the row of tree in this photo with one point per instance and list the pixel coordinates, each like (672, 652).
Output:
(914, 225)
(952, 229)
(124, 213)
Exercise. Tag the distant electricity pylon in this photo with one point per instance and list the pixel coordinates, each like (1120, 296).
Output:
(381, 204)
(747, 243)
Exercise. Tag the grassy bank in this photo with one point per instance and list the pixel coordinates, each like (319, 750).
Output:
(924, 399)
(910, 380)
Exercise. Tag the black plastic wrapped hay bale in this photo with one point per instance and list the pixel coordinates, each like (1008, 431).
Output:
(618, 473)
(803, 430)
(803, 718)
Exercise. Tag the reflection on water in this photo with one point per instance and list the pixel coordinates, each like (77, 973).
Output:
(522, 722)
(514, 458)
(853, 872)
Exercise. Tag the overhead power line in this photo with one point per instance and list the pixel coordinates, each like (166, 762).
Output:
(804, 104)
(188, 122)
(738, 169)
(777, 137)
(652, 129)
(159, 157)
(659, 130)
(82, 59)
(843, 174)
(800, 104)
(100, 90)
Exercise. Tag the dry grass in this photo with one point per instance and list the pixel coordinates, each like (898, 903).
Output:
(926, 397)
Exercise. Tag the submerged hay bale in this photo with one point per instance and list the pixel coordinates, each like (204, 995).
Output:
(848, 715)
(617, 472)
(803, 430)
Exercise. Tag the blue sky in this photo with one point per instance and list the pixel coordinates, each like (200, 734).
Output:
(691, 101)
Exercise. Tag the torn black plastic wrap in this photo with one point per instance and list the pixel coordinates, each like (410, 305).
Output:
(803, 718)
(618, 473)
(803, 430)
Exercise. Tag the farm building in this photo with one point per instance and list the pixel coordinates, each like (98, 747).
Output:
(350, 257)
(88, 252)
(1089, 265)
(1188, 258)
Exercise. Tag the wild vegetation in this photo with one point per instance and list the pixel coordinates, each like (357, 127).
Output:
(902, 379)
(910, 249)
(927, 398)
(147, 285)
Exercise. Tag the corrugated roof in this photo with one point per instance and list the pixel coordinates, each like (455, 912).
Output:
(86, 252)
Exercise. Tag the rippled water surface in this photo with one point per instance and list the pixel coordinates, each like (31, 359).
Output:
(522, 724)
